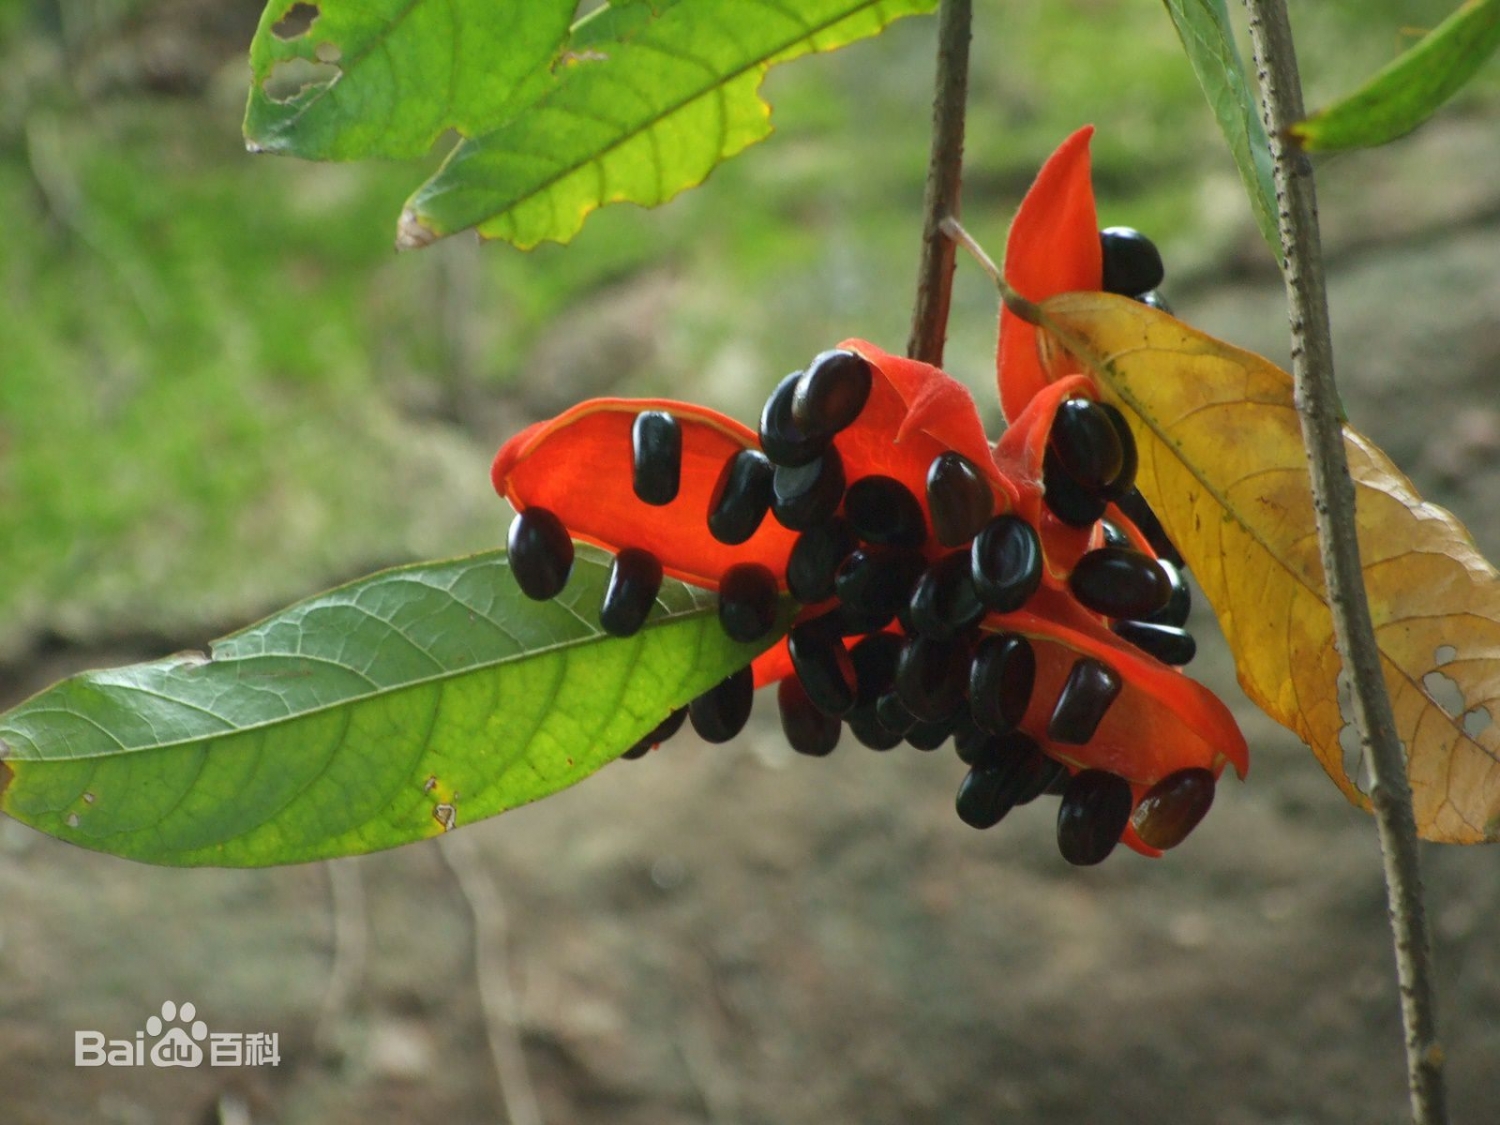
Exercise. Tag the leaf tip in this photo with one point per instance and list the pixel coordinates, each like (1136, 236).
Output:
(412, 233)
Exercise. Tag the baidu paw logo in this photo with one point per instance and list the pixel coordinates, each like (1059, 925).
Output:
(180, 1045)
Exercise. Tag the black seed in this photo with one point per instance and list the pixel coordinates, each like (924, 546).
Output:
(540, 553)
(656, 445)
(945, 602)
(1154, 300)
(1094, 811)
(747, 601)
(1091, 687)
(1008, 770)
(805, 496)
(959, 499)
(831, 393)
(807, 729)
(893, 714)
(932, 677)
(1086, 444)
(1132, 263)
(658, 734)
(983, 799)
(1007, 562)
(878, 580)
(874, 660)
(855, 622)
(823, 664)
(1048, 776)
(1000, 682)
(868, 730)
(1173, 807)
(1130, 460)
(815, 557)
(929, 735)
(1068, 500)
(741, 498)
(634, 582)
(883, 510)
(721, 712)
(1114, 534)
(1167, 643)
(782, 440)
(1138, 512)
(1120, 582)
(1180, 605)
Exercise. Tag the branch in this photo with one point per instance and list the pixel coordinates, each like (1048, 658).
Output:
(929, 321)
(1333, 503)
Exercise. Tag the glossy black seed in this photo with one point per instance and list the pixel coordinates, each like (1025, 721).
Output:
(1173, 807)
(1007, 563)
(656, 448)
(1114, 534)
(1179, 605)
(823, 664)
(883, 510)
(1000, 682)
(878, 580)
(540, 553)
(932, 676)
(747, 601)
(807, 729)
(855, 622)
(983, 798)
(805, 496)
(1068, 500)
(1135, 509)
(944, 602)
(1094, 811)
(926, 735)
(959, 499)
(1120, 582)
(634, 582)
(1153, 299)
(831, 393)
(1049, 776)
(1167, 643)
(893, 714)
(741, 497)
(1090, 688)
(1086, 444)
(721, 712)
(1132, 263)
(783, 441)
(874, 658)
(658, 734)
(1130, 460)
(815, 557)
(868, 730)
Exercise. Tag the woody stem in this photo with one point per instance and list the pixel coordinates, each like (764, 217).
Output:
(1333, 504)
(929, 323)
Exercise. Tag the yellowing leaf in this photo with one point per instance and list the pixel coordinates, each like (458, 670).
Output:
(1221, 461)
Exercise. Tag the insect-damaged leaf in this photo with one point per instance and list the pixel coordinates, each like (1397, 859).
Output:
(1221, 461)
(381, 712)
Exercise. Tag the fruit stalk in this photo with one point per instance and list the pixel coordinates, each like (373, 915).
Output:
(1333, 505)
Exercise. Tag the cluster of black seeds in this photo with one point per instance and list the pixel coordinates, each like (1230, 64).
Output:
(892, 647)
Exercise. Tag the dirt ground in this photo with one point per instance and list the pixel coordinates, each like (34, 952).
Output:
(734, 935)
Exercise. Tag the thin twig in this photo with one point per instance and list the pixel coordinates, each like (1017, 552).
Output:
(929, 321)
(350, 929)
(1333, 503)
(492, 973)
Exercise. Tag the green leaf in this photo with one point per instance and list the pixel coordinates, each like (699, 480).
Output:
(1412, 88)
(634, 120)
(386, 77)
(1203, 26)
(376, 714)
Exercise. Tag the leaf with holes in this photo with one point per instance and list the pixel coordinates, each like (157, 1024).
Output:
(635, 120)
(1221, 461)
(1203, 26)
(338, 80)
(1412, 88)
(376, 714)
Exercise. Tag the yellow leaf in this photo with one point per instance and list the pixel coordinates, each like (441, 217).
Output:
(1221, 461)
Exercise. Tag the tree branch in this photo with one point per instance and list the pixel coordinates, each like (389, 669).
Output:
(1333, 503)
(929, 323)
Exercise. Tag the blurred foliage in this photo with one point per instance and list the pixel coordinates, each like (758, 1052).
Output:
(222, 389)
